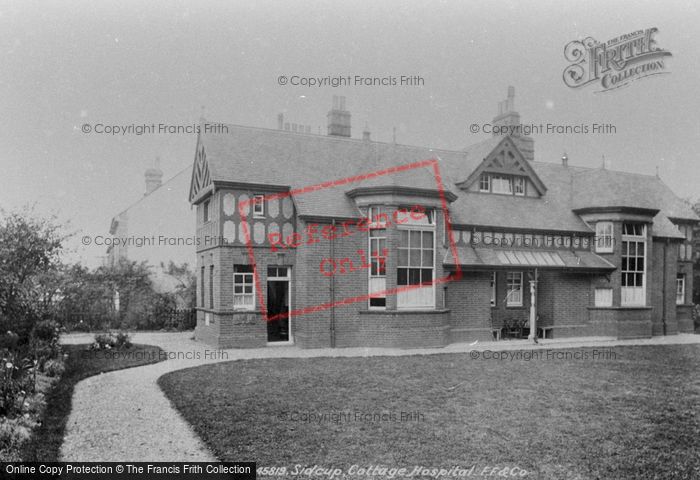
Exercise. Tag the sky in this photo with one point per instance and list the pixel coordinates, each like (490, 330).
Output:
(70, 63)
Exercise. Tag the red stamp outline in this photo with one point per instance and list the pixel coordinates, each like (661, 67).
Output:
(243, 206)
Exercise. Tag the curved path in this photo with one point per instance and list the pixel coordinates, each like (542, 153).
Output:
(124, 416)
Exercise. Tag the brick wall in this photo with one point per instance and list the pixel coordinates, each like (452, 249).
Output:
(470, 309)
(663, 319)
(684, 313)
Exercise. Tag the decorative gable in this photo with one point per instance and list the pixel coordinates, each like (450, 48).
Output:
(506, 160)
(201, 179)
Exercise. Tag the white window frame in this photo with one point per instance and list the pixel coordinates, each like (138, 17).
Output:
(502, 180)
(259, 206)
(493, 288)
(519, 186)
(404, 298)
(376, 281)
(634, 295)
(604, 239)
(603, 297)
(513, 278)
(680, 289)
(248, 279)
(485, 182)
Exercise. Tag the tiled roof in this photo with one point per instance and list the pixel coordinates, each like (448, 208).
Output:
(277, 157)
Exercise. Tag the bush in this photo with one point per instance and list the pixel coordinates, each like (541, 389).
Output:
(13, 433)
(107, 341)
(44, 341)
(54, 368)
(16, 380)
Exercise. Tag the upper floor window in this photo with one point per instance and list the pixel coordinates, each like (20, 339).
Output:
(503, 184)
(519, 185)
(205, 211)
(259, 206)
(493, 289)
(685, 249)
(485, 183)
(604, 237)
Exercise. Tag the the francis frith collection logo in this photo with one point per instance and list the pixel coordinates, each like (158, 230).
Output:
(615, 63)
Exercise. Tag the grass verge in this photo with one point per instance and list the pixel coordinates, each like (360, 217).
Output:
(623, 412)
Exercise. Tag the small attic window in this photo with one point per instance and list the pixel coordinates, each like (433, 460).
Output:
(485, 183)
(519, 185)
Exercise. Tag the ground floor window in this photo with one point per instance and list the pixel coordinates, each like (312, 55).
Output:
(416, 266)
(633, 268)
(603, 297)
(680, 289)
(243, 287)
(377, 271)
(514, 289)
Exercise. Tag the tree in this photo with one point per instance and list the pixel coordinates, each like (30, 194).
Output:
(186, 289)
(29, 256)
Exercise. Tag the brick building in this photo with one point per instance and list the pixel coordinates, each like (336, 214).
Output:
(477, 244)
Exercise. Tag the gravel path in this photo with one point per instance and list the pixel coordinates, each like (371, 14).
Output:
(124, 416)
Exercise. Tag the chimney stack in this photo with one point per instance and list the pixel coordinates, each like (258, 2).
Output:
(154, 177)
(338, 118)
(508, 117)
(280, 121)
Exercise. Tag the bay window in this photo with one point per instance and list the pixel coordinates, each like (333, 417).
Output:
(416, 263)
(377, 271)
(604, 237)
(633, 268)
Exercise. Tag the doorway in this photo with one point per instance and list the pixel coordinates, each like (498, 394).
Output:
(278, 293)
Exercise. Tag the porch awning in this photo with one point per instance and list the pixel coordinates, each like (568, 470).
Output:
(489, 258)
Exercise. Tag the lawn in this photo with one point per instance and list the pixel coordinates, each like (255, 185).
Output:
(631, 416)
(45, 443)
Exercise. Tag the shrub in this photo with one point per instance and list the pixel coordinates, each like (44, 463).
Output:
(44, 341)
(13, 433)
(107, 341)
(16, 380)
(54, 368)
(9, 341)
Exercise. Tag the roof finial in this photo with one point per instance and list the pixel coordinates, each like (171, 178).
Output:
(201, 115)
(565, 160)
(657, 172)
(603, 165)
(394, 138)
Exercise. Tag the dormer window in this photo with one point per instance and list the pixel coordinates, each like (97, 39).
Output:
(519, 185)
(503, 184)
(485, 183)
